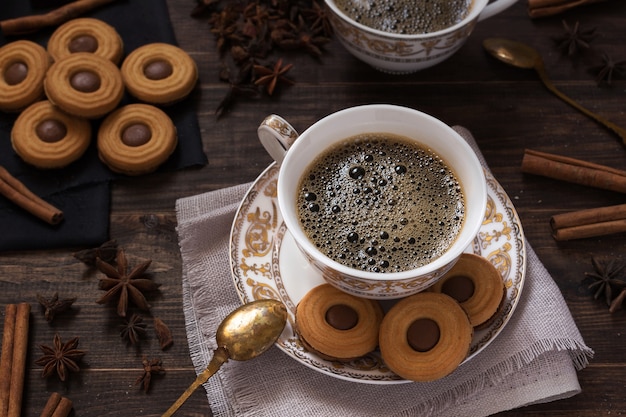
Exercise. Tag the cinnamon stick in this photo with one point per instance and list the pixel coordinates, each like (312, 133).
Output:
(574, 171)
(18, 193)
(33, 23)
(57, 406)
(17, 358)
(544, 8)
(6, 360)
(589, 223)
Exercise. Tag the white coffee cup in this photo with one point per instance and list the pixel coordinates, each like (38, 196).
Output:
(295, 154)
(406, 53)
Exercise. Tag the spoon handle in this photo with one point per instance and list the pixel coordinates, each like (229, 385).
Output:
(608, 124)
(220, 356)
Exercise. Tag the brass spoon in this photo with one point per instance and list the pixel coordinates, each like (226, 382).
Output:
(523, 56)
(244, 334)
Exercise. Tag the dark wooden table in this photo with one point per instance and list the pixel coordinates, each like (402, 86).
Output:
(507, 110)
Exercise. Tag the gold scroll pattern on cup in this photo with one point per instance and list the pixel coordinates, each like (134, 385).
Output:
(381, 47)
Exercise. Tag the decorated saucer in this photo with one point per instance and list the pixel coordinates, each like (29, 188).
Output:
(266, 263)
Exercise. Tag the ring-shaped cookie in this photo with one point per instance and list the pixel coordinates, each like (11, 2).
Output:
(332, 343)
(86, 35)
(90, 104)
(34, 142)
(159, 73)
(450, 348)
(476, 284)
(23, 66)
(136, 159)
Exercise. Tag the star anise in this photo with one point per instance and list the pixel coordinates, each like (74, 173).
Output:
(319, 19)
(133, 329)
(239, 78)
(617, 302)
(60, 357)
(151, 367)
(224, 28)
(54, 306)
(248, 32)
(124, 285)
(106, 252)
(575, 38)
(303, 38)
(605, 279)
(609, 69)
(255, 17)
(270, 77)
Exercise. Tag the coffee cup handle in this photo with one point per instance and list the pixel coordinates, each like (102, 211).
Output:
(276, 136)
(495, 8)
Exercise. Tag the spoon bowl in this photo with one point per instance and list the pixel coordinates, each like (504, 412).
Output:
(520, 55)
(513, 53)
(244, 334)
(251, 329)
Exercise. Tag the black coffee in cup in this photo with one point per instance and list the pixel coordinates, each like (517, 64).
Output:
(380, 202)
(406, 16)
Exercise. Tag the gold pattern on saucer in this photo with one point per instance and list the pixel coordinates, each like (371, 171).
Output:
(270, 190)
(262, 291)
(501, 259)
(283, 273)
(258, 235)
(262, 269)
(491, 212)
(495, 218)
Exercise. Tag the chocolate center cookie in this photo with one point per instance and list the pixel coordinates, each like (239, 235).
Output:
(158, 70)
(47, 138)
(336, 325)
(23, 68)
(85, 81)
(16, 73)
(136, 134)
(83, 43)
(51, 130)
(476, 284)
(425, 336)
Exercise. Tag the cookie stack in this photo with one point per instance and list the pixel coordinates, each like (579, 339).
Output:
(78, 78)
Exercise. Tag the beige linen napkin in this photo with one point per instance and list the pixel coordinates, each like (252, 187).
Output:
(533, 360)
